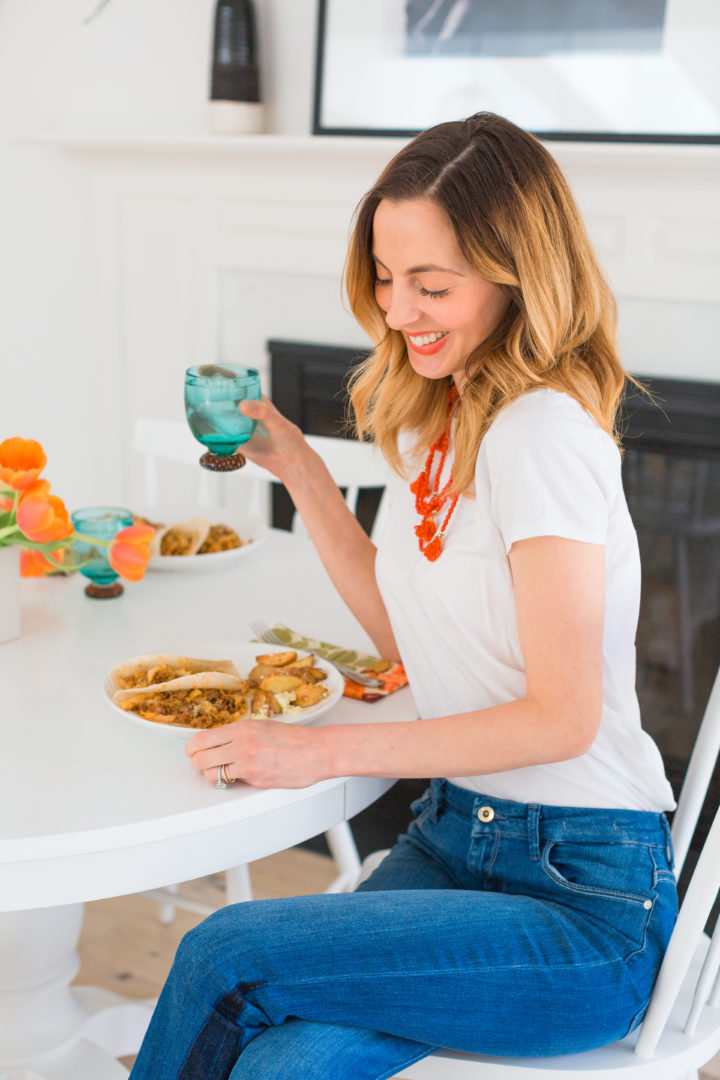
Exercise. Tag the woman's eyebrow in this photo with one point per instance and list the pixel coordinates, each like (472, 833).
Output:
(423, 269)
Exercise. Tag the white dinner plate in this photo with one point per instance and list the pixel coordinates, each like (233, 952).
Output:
(250, 529)
(243, 654)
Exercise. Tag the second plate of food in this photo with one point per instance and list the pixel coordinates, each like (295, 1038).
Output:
(207, 540)
(287, 691)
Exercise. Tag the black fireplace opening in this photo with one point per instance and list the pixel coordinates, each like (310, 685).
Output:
(309, 386)
(671, 476)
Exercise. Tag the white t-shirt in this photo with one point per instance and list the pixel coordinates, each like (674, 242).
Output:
(544, 468)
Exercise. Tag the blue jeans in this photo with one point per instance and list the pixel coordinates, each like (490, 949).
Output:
(492, 927)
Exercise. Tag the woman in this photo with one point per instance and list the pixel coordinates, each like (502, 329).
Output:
(527, 908)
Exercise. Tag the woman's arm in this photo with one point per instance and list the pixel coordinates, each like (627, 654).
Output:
(559, 590)
(347, 552)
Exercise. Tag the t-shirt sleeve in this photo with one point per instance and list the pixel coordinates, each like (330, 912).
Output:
(552, 471)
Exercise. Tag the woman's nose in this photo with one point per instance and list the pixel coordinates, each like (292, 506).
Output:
(402, 310)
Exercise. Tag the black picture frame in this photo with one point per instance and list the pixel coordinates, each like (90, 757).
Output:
(323, 89)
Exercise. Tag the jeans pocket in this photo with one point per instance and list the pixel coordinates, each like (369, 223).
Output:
(608, 871)
(612, 884)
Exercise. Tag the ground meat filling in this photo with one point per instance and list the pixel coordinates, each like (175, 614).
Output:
(196, 708)
(158, 674)
(177, 541)
(220, 538)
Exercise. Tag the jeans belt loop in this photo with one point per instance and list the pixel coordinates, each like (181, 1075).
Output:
(438, 799)
(668, 842)
(533, 825)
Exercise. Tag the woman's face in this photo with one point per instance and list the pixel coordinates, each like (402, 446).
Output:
(429, 292)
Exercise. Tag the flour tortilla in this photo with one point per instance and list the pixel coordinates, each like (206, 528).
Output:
(197, 527)
(205, 675)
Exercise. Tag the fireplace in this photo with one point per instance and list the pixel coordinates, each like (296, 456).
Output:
(671, 474)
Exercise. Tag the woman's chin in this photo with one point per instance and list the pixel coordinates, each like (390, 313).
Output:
(430, 367)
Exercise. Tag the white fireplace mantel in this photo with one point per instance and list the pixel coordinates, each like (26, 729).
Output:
(688, 161)
(208, 246)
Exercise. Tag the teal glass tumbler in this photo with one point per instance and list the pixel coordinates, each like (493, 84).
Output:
(101, 523)
(213, 393)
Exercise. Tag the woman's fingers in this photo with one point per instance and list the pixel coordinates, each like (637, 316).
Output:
(265, 413)
(208, 738)
(276, 443)
(263, 753)
(211, 775)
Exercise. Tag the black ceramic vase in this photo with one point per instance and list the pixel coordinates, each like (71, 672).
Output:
(235, 106)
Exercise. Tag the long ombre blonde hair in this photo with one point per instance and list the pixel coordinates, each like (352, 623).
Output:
(517, 224)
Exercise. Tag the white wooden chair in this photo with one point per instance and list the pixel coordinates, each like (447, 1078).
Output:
(681, 1028)
(352, 465)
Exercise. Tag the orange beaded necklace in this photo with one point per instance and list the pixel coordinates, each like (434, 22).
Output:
(428, 500)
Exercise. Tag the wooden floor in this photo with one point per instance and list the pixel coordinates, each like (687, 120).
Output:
(125, 948)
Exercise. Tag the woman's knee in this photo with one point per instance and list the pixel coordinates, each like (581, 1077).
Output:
(217, 937)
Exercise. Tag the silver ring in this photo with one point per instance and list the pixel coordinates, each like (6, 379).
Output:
(220, 782)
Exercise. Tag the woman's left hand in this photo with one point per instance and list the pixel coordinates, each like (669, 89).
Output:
(262, 753)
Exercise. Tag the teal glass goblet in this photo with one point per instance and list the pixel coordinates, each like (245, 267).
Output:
(213, 394)
(100, 523)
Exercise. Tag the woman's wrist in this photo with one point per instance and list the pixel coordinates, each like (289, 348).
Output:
(347, 750)
(299, 468)
(330, 758)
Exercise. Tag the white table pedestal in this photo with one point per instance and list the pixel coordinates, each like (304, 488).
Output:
(144, 819)
(50, 1030)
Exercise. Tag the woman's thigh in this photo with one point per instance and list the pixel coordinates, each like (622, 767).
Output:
(479, 971)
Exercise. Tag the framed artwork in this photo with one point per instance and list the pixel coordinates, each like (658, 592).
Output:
(604, 70)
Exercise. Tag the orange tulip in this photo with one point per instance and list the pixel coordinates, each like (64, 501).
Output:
(21, 462)
(34, 564)
(6, 504)
(129, 552)
(41, 516)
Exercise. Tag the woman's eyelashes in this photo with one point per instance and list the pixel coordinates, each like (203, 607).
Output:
(434, 294)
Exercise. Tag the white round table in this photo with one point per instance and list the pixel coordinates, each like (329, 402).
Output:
(95, 805)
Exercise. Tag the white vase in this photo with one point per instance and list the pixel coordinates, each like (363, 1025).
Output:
(9, 593)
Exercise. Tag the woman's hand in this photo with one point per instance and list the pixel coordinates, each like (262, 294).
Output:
(277, 444)
(263, 753)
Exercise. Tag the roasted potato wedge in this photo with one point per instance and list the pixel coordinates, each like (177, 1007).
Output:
(280, 683)
(306, 674)
(259, 704)
(278, 659)
(265, 703)
(259, 672)
(307, 694)
(304, 661)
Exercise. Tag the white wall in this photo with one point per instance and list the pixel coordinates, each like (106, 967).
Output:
(142, 68)
(138, 67)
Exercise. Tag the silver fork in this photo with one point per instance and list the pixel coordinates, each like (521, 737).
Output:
(262, 630)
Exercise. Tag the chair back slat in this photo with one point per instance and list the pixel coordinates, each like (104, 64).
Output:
(714, 999)
(171, 440)
(353, 465)
(696, 906)
(697, 778)
(705, 983)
